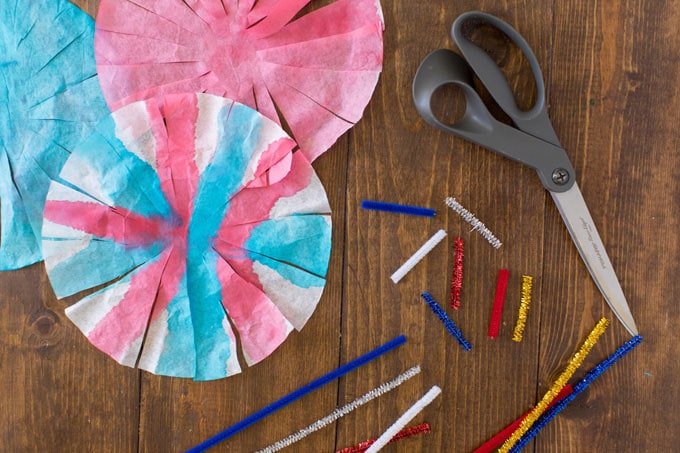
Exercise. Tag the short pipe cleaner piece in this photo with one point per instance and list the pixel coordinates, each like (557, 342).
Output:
(561, 381)
(457, 275)
(474, 221)
(406, 417)
(342, 411)
(525, 301)
(578, 389)
(448, 323)
(423, 428)
(419, 255)
(299, 393)
(397, 208)
(498, 301)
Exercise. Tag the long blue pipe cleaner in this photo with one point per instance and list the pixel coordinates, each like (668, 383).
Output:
(397, 208)
(297, 394)
(551, 413)
(448, 323)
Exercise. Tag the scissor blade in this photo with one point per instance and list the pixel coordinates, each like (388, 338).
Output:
(580, 224)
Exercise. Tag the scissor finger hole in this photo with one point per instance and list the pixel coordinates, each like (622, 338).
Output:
(448, 104)
(509, 58)
(492, 106)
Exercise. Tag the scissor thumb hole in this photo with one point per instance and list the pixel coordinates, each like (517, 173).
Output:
(452, 108)
(448, 104)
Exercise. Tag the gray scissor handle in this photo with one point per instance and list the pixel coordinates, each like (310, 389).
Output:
(445, 67)
(534, 121)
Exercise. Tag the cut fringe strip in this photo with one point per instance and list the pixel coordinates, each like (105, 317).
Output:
(419, 255)
(561, 381)
(474, 221)
(397, 208)
(423, 428)
(297, 394)
(342, 411)
(406, 417)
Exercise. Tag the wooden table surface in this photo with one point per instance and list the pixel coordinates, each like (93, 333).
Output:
(613, 80)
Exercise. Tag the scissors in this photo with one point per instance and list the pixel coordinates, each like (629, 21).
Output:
(532, 141)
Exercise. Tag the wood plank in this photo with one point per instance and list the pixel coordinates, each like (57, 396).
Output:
(396, 157)
(613, 63)
(612, 73)
(57, 389)
(89, 6)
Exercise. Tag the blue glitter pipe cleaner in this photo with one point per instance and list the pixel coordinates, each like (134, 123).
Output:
(578, 388)
(448, 323)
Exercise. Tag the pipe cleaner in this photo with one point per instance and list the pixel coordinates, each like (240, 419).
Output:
(525, 301)
(299, 393)
(419, 255)
(397, 208)
(498, 301)
(448, 323)
(578, 388)
(496, 441)
(406, 417)
(342, 411)
(423, 428)
(561, 381)
(470, 218)
(457, 275)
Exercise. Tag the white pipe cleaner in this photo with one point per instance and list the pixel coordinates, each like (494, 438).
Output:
(404, 419)
(419, 255)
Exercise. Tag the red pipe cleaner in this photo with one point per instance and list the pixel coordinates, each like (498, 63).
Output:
(423, 428)
(498, 300)
(496, 441)
(457, 275)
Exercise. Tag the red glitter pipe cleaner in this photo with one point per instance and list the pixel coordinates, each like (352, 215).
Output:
(496, 441)
(423, 428)
(457, 275)
(498, 301)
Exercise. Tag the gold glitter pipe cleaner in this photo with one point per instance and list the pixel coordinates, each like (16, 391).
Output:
(525, 301)
(561, 381)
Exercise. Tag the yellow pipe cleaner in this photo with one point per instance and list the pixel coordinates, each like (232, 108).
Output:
(525, 301)
(561, 381)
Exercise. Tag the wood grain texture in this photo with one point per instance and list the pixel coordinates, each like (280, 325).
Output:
(613, 80)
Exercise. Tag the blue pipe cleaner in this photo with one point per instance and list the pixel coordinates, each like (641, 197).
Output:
(297, 394)
(397, 208)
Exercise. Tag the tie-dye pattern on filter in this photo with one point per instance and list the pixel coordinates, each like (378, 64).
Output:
(311, 67)
(50, 101)
(203, 217)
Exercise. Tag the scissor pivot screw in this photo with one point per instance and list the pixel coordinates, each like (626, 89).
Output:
(560, 176)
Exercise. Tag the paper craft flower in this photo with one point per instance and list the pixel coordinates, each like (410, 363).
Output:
(49, 101)
(317, 71)
(204, 220)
